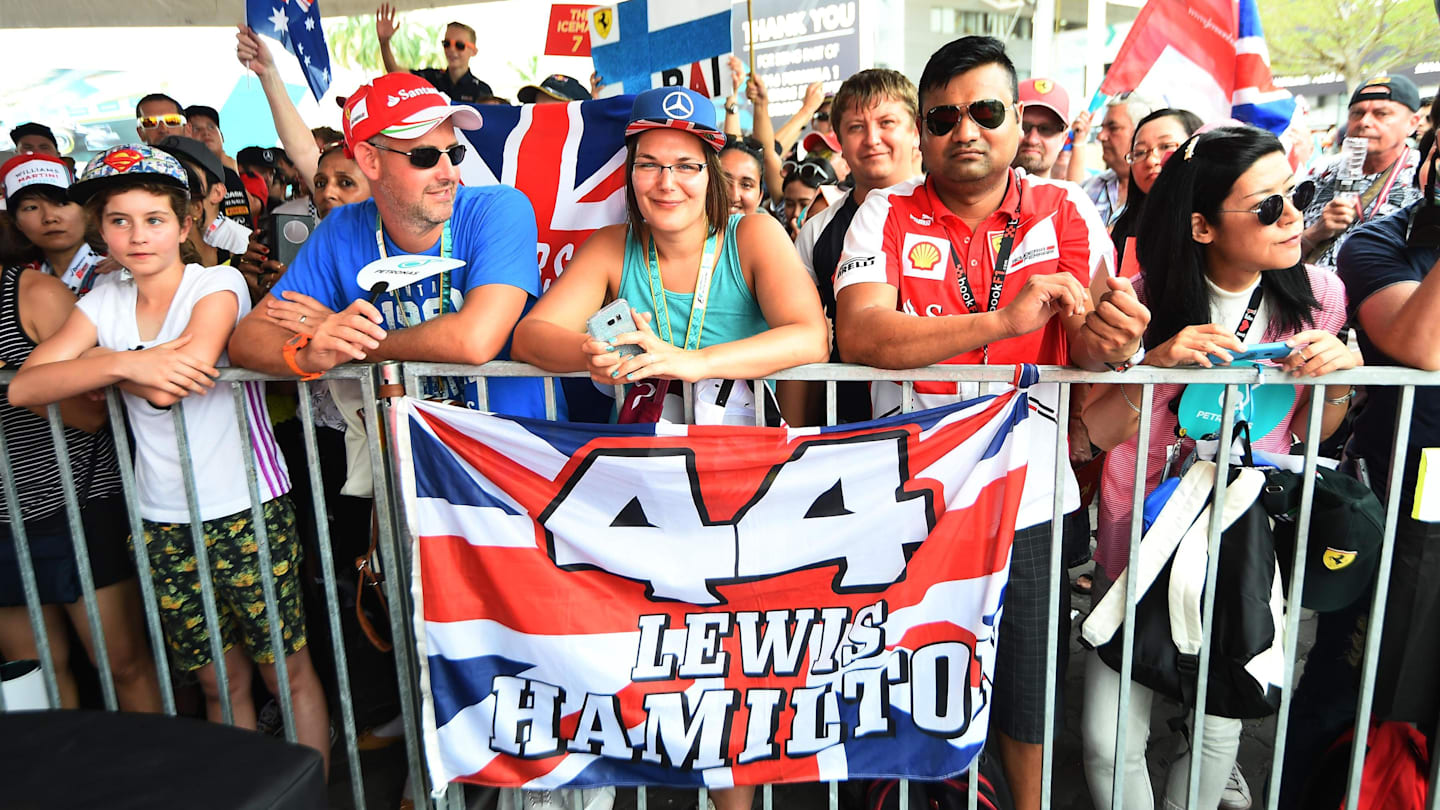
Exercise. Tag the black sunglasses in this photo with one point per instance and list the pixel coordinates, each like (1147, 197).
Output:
(425, 157)
(821, 116)
(1270, 208)
(988, 113)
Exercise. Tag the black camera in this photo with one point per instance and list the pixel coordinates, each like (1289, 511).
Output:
(1424, 229)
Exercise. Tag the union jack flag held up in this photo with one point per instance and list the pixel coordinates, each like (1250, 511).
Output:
(682, 605)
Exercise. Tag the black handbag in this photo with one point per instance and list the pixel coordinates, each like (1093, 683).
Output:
(1246, 665)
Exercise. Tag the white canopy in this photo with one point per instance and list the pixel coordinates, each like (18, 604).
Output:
(111, 14)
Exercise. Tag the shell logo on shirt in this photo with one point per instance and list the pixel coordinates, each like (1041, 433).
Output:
(923, 256)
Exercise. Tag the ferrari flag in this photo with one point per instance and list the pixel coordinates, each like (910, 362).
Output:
(663, 604)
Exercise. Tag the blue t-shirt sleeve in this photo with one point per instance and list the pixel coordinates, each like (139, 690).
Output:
(1375, 257)
(315, 269)
(497, 226)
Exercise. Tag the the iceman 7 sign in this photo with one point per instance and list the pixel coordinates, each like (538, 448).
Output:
(711, 605)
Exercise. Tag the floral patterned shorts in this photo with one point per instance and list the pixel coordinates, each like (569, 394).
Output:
(234, 558)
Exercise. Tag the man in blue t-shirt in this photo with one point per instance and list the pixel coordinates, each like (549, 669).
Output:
(402, 134)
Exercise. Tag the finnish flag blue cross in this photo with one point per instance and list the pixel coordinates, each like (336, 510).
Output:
(632, 40)
(296, 25)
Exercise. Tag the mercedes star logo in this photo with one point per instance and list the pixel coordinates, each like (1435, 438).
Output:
(678, 105)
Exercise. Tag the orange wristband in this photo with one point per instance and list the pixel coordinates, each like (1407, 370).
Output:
(292, 346)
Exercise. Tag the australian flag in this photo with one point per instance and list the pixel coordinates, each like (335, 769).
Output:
(296, 25)
(719, 605)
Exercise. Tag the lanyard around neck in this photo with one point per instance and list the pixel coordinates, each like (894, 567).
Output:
(694, 327)
(1251, 309)
(445, 245)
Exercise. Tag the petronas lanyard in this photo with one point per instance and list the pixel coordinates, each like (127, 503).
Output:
(702, 295)
(445, 245)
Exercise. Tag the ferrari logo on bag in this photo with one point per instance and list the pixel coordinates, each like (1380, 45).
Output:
(1335, 559)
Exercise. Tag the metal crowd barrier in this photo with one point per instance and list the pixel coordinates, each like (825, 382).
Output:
(382, 385)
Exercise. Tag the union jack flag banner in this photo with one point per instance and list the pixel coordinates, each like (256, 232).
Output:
(687, 606)
(568, 159)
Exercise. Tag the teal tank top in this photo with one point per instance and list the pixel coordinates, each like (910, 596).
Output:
(732, 314)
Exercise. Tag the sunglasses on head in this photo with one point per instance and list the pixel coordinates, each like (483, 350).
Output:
(988, 113)
(167, 120)
(457, 44)
(812, 174)
(425, 157)
(1270, 208)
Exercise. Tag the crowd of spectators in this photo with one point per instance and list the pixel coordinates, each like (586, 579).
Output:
(894, 223)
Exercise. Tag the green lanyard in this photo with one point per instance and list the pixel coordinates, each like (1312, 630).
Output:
(701, 300)
(444, 274)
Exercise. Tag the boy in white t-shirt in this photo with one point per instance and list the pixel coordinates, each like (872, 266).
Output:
(159, 336)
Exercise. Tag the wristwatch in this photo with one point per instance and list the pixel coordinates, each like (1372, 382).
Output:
(1133, 360)
(731, 108)
(288, 351)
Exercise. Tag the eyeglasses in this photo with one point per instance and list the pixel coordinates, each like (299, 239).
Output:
(678, 169)
(821, 116)
(1047, 130)
(167, 120)
(1160, 151)
(457, 44)
(1270, 208)
(425, 157)
(988, 113)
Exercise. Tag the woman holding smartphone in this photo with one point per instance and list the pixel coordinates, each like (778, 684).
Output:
(714, 294)
(1219, 244)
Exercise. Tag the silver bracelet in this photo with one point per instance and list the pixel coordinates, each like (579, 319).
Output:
(1341, 400)
(1126, 395)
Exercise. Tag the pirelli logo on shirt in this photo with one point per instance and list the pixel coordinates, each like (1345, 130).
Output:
(923, 256)
(850, 265)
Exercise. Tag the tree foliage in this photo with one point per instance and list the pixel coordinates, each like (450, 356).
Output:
(1355, 39)
(353, 44)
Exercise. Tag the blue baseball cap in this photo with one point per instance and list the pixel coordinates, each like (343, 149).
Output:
(129, 163)
(676, 108)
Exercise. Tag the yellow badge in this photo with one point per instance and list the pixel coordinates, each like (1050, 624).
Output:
(995, 239)
(1043, 86)
(603, 18)
(924, 256)
(1335, 559)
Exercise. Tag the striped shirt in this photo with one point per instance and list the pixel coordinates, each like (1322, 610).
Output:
(216, 441)
(32, 463)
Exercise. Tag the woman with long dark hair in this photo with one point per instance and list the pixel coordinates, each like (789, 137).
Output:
(1219, 248)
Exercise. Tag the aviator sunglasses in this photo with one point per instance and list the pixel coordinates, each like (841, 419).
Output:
(988, 113)
(425, 157)
(1270, 208)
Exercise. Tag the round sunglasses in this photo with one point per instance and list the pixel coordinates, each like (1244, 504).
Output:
(425, 157)
(1271, 208)
(988, 113)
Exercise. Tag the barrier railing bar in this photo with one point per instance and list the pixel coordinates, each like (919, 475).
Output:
(1057, 574)
(27, 576)
(267, 566)
(1376, 625)
(831, 405)
(482, 387)
(396, 584)
(821, 372)
(1127, 628)
(202, 563)
(550, 409)
(332, 599)
(1207, 608)
(138, 549)
(82, 557)
(1435, 776)
(1297, 585)
(641, 798)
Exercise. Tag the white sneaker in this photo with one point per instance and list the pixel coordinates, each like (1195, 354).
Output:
(1236, 795)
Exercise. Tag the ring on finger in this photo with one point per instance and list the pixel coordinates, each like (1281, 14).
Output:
(302, 320)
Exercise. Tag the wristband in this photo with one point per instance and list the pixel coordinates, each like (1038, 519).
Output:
(288, 351)
(1341, 400)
